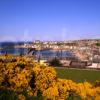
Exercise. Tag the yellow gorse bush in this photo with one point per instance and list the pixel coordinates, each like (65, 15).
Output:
(21, 97)
(21, 75)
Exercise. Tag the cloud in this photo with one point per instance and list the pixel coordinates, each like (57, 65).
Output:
(25, 36)
(64, 35)
(7, 38)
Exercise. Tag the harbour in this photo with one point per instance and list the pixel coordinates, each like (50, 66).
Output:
(69, 54)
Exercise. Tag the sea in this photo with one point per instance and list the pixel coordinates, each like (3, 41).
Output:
(9, 48)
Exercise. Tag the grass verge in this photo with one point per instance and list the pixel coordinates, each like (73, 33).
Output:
(78, 75)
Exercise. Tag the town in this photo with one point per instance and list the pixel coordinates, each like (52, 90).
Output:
(85, 52)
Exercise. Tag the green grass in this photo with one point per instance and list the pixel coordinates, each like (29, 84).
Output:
(78, 75)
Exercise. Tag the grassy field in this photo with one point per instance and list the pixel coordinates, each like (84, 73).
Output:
(78, 75)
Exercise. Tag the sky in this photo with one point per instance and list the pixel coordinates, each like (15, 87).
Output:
(49, 20)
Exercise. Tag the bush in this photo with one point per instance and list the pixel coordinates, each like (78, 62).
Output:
(97, 44)
(24, 79)
(8, 95)
(55, 62)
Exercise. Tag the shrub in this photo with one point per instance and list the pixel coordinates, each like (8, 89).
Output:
(55, 62)
(28, 80)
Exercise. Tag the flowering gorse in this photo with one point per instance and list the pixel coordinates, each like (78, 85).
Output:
(19, 74)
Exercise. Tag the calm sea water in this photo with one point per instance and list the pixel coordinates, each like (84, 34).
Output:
(9, 48)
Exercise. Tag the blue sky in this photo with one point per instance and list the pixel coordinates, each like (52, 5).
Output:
(49, 19)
